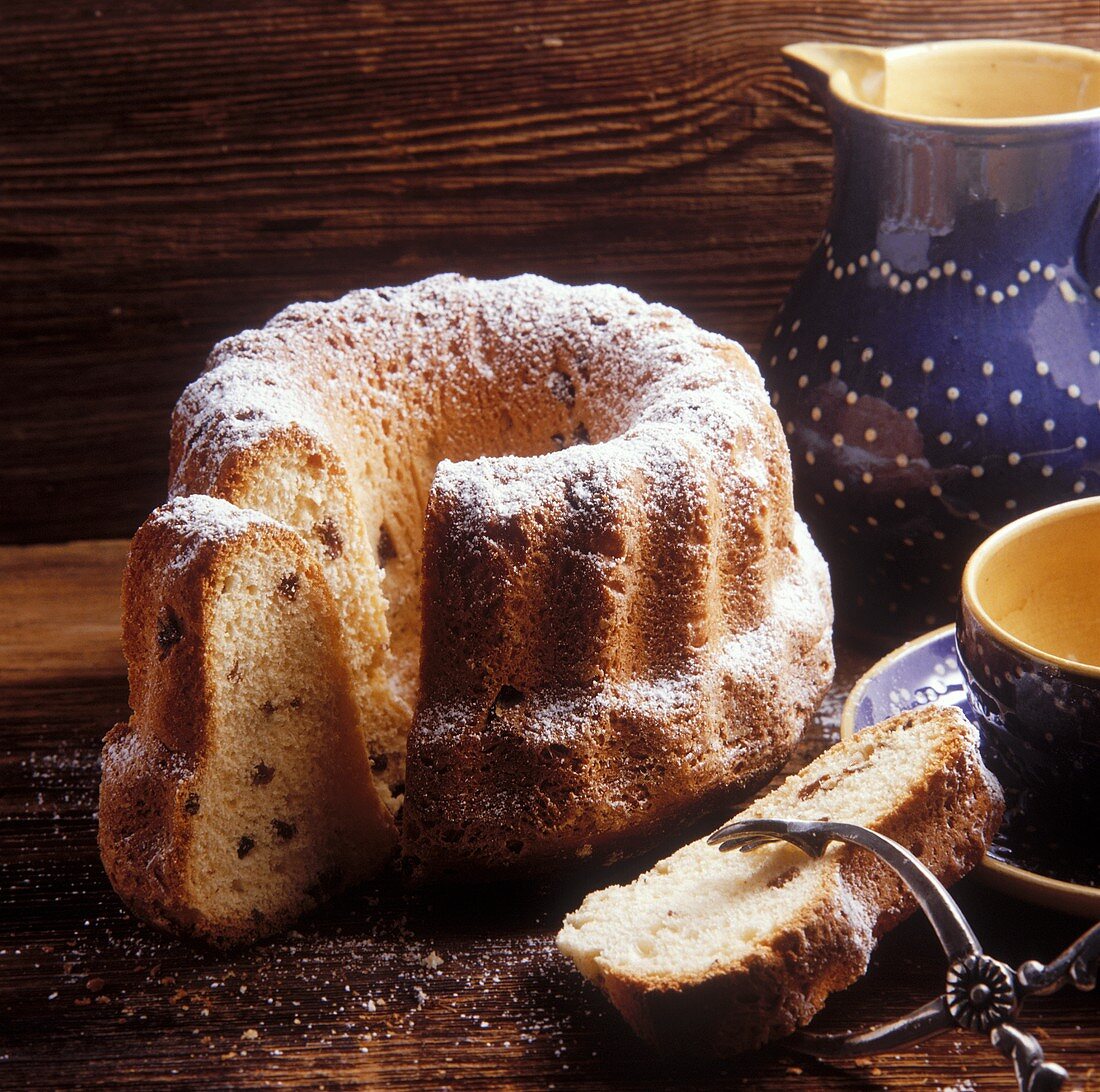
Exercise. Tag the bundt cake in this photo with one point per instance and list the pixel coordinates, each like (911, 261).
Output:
(710, 953)
(562, 574)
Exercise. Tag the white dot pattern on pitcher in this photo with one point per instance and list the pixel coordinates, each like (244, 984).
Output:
(928, 364)
(849, 369)
(923, 279)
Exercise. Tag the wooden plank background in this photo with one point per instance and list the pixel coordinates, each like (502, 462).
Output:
(173, 172)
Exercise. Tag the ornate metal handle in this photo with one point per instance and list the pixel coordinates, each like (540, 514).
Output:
(953, 930)
(1078, 965)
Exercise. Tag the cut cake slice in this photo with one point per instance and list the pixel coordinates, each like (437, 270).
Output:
(712, 953)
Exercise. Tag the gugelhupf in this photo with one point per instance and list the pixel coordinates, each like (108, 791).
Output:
(538, 538)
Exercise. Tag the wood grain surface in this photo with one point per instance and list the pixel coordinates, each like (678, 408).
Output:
(173, 172)
(355, 997)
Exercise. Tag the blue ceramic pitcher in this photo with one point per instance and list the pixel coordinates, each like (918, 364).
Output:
(937, 364)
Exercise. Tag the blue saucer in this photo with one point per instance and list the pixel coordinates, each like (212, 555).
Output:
(925, 671)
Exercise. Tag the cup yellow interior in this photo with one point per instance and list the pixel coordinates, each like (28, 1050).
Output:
(1035, 585)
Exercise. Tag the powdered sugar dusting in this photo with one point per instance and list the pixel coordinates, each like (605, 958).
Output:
(614, 431)
(197, 521)
(315, 368)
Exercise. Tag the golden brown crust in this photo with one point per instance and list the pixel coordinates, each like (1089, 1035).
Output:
(149, 763)
(620, 774)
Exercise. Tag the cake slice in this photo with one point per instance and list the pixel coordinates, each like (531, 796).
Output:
(239, 795)
(712, 953)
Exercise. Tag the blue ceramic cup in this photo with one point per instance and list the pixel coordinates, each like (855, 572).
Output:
(1029, 647)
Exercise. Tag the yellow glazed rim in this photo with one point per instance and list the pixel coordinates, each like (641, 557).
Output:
(1070, 898)
(841, 86)
(1014, 530)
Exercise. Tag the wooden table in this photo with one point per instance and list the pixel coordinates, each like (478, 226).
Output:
(173, 172)
(355, 998)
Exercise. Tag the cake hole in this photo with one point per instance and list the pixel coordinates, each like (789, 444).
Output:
(262, 774)
(268, 708)
(580, 434)
(562, 388)
(234, 675)
(169, 631)
(191, 804)
(608, 542)
(329, 534)
(917, 848)
(515, 846)
(378, 763)
(197, 434)
(512, 537)
(828, 780)
(245, 846)
(288, 586)
(558, 440)
(247, 415)
(387, 552)
(508, 698)
(783, 878)
(284, 831)
(813, 788)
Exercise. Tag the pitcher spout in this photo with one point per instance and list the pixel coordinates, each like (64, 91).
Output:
(858, 69)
